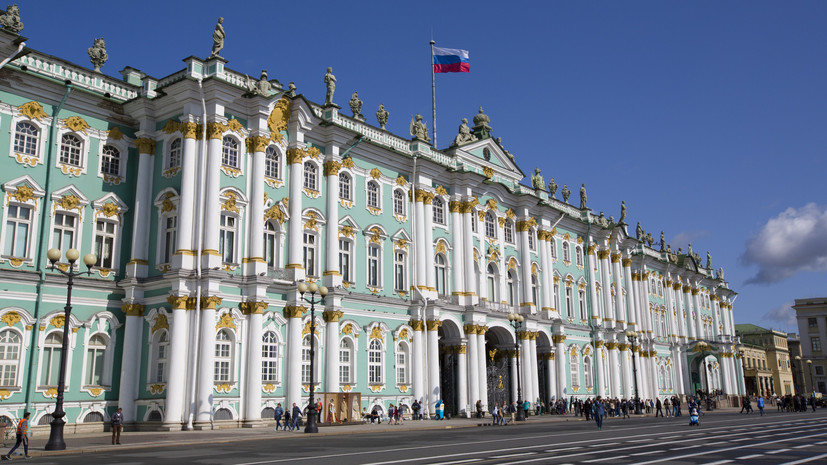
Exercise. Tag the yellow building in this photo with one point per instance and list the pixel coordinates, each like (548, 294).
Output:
(775, 362)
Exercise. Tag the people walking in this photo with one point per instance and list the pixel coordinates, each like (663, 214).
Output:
(296, 415)
(117, 426)
(278, 414)
(760, 404)
(658, 408)
(598, 410)
(22, 437)
(667, 406)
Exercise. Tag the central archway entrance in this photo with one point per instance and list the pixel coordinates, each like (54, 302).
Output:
(450, 340)
(543, 349)
(500, 368)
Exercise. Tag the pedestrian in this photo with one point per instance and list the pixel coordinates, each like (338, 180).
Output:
(667, 406)
(587, 408)
(117, 426)
(760, 404)
(22, 437)
(693, 415)
(287, 421)
(526, 407)
(479, 408)
(512, 409)
(278, 413)
(598, 410)
(658, 408)
(495, 411)
(440, 410)
(416, 407)
(296, 414)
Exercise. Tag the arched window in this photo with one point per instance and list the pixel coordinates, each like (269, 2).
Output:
(535, 294)
(223, 356)
(439, 210)
(271, 244)
(566, 252)
(9, 357)
(374, 271)
(93, 417)
(310, 176)
(510, 288)
(95, 353)
(375, 375)
(174, 154)
(490, 227)
(345, 186)
(346, 359)
(111, 161)
(229, 152)
(269, 358)
(159, 368)
(70, 150)
(508, 231)
(306, 361)
(373, 194)
(271, 163)
(491, 280)
(398, 202)
(553, 246)
(402, 370)
(575, 372)
(587, 371)
(227, 232)
(578, 252)
(26, 139)
(50, 365)
(441, 275)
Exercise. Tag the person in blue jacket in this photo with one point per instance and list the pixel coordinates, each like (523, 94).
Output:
(599, 411)
(440, 410)
(761, 405)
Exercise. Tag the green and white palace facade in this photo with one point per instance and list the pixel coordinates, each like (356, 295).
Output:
(207, 200)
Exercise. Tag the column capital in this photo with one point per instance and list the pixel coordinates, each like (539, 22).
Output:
(257, 143)
(615, 257)
(603, 254)
(210, 302)
(331, 168)
(558, 338)
(433, 325)
(417, 325)
(332, 316)
(523, 335)
(294, 311)
(252, 307)
(611, 345)
(179, 302)
(470, 329)
(190, 130)
(145, 145)
(626, 262)
(133, 309)
(598, 344)
(215, 130)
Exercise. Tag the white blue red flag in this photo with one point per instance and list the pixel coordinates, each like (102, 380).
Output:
(451, 60)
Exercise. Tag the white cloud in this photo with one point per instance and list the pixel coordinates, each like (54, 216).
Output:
(783, 314)
(793, 241)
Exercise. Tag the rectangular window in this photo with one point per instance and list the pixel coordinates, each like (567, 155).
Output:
(344, 260)
(344, 366)
(310, 254)
(18, 225)
(94, 367)
(63, 236)
(815, 342)
(581, 300)
(569, 305)
(399, 271)
(226, 239)
(557, 297)
(819, 370)
(401, 368)
(105, 243)
(812, 322)
(373, 266)
(170, 236)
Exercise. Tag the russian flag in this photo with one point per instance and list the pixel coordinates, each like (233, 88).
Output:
(451, 60)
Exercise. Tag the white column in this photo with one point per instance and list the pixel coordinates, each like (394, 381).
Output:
(255, 252)
(596, 318)
(473, 367)
(626, 368)
(419, 363)
(513, 372)
(615, 368)
(716, 333)
(458, 259)
(525, 263)
(546, 284)
(294, 227)
(608, 316)
(206, 379)
(551, 378)
(142, 209)
(525, 361)
(560, 360)
(535, 371)
(293, 384)
(690, 313)
(433, 362)
(620, 312)
(331, 272)
(430, 272)
(598, 356)
(696, 304)
(331, 363)
(212, 210)
(131, 360)
(468, 254)
(462, 380)
(630, 302)
(252, 384)
(188, 194)
(420, 245)
(176, 386)
(482, 372)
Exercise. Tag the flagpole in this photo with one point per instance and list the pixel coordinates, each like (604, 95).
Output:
(433, 93)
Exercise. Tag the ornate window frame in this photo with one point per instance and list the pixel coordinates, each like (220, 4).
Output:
(123, 158)
(22, 192)
(85, 142)
(166, 204)
(42, 134)
(68, 201)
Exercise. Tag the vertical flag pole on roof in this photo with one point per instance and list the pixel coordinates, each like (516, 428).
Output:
(433, 93)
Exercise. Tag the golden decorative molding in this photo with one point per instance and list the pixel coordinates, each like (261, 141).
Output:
(294, 311)
(257, 143)
(331, 168)
(160, 323)
(229, 203)
(145, 145)
(695, 291)
(274, 213)
(210, 302)
(603, 254)
(441, 191)
(224, 387)
(279, 116)
(253, 307)
(11, 318)
(295, 155)
(417, 325)
(347, 162)
(332, 316)
(306, 329)
(178, 302)
(599, 344)
(558, 338)
(76, 124)
(115, 133)
(433, 325)
(133, 309)
(215, 130)
(70, 202)
(376, 333)
(57, 321)
(626, 262)
(23, 193)
(615, 257)
(32, 110)
(488, 172)
(234, 125)
(455, 206)
(401, 181)
(526, 225)
(612, 345)
(226, 321)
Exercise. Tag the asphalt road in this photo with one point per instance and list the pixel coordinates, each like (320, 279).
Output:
(722, 438)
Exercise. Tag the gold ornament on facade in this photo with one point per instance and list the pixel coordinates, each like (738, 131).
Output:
(402, 244)
(133, 309)
(615, 257)
(311, 221)
(347, 162)
(226, 321)
(210, 302)
(274, 213)
(76, 124)
(433, 325)
(306, 330)
(347, 329)
(332, 316)
(346, 230)
(417, 325)
(295, 155)
(441, 191)
(10, 318)
(57, 321)
(256, 143)
(440, 247)
(110, 209)
(375, 237)
(234, 125)
(455, 206)
(229, 203)
(603, 254)
(253, 307)
(32, 110)
(50, 393)
(115, 133)
(173, 126)
(313, 152)
(376, 333)
(145, 145)
(161, 322)
(279, 116)
(627, 262)
(488, 172)
(23, 194)
(70, 202)
(294, 311)
(331, 168)
(224, 387)
(401, 181)
(178, 302)
(215, 130)
(166, 204)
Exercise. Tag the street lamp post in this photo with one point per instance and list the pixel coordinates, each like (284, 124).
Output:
(516, 321)
(812, 383)
(632, 336)
(313, 288)
(704, 348)
(56, 441)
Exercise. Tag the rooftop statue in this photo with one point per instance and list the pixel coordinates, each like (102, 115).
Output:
(217, 39)
(721, 274)
(650, 240)
(261, 87)
(638, 230)
(566, 193)
(382, 116)
(622, 219)
(291, 89)
(662, 241)
(537, 180)
(464, 136)
(97, 54)
(330, 82)
(583, 196)
(356, 106)
(668, 248)
(708, 261)
(419, 129)
(690, 252)
(552, 188)
(481, 128)
(11, 19)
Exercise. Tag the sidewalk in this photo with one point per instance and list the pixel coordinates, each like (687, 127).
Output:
(102, 441)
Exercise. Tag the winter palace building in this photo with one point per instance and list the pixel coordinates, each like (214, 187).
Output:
(207, 197)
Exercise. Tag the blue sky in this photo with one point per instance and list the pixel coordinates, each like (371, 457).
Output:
(707, 117)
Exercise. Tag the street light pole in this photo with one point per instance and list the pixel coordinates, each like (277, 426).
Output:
(56, 441)
(311, 426)
(812, 383)
(516, 321)
(632, 336)
(704, 348)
